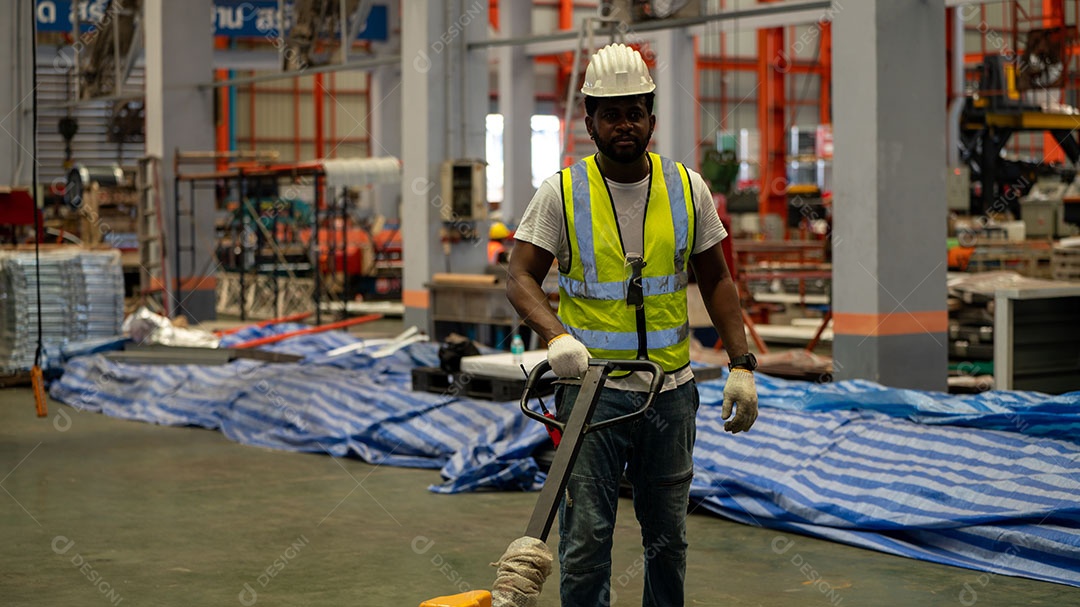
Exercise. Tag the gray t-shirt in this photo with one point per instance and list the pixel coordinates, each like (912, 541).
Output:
(543, 225)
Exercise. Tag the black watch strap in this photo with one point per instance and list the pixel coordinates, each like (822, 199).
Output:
(747, 361)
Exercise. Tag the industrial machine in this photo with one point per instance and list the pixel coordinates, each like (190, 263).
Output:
(958, 189)
(321, 30)
(292, 235)
(1017, 93)
(16, 213)
(720, 168)
(464, 190)
(111, 54)
(101, 206)
(1043, 209)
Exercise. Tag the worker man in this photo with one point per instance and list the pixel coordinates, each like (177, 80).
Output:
(497, 237)
(624, 226)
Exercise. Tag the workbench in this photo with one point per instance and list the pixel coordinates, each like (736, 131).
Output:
(479, 311)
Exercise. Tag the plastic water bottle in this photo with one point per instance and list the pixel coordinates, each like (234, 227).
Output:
(517, 349)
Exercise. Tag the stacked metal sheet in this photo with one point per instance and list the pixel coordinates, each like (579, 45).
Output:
(971, 316)
(98, 289)
(81, 297)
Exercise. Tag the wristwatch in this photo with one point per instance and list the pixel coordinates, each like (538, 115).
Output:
(747, 361)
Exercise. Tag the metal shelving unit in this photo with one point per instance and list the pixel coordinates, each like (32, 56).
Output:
(1037, 338)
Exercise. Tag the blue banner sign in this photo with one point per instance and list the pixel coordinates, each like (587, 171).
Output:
(232, 18)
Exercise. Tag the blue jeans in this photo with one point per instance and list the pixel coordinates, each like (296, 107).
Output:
(656, 452)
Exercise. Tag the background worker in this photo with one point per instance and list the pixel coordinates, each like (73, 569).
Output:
(498, 235)
(625, 225)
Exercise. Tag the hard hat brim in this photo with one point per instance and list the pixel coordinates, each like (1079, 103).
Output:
(645, 90)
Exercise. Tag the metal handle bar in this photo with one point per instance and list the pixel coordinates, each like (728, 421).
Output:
(604, 367)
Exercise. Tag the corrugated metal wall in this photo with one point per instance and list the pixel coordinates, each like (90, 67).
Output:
(280, 115)
(738, 89)
(90, 145)
(283, 111)
(729, 98)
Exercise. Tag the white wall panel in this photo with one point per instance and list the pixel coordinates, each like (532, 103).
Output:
(273, 115)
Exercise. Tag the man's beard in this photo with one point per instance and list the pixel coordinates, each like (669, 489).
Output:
(621, 154)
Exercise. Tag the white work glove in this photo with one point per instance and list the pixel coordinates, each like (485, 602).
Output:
(741, 392)
(568, 356)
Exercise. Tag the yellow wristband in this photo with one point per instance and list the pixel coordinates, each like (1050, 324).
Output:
(559, 336)
(743, 370)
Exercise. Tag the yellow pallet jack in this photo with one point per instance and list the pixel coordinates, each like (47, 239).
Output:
(573, 433)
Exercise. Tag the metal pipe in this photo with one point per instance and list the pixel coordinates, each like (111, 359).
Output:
(343, 30)
(344, 252)
(315, 255)
(280, 39)
(242, 242)
(232, 96)
(333, 116)
(367, 64)
(296, 118)
(277, 255)
(114, 24)
(757, 11)
(76, 26)
(463, 51)
(133, 50)
(192, 238)
(448, 123)
(568, 110)
(262, 341)
(18, 65)
(318, 98)
(956, 108)
(176, 244)
(265, 323)
(958, 53)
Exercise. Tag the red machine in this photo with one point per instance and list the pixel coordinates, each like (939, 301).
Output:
(16, 209)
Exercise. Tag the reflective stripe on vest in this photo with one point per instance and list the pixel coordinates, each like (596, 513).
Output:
(592, 302)
(652, 285)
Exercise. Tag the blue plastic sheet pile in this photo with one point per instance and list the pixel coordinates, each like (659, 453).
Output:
(988, 482)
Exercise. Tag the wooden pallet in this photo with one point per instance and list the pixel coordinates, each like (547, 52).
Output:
(1065, 263)
(1030, 259)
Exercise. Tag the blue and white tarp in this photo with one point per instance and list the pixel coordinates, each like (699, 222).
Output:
(990, 482)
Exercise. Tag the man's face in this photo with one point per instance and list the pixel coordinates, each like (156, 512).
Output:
(622, 127)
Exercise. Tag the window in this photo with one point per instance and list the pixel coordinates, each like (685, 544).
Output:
(546, 144)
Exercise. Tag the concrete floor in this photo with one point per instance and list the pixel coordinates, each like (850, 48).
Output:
(97, 511)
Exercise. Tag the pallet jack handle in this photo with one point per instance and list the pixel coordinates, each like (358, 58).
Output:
(576, 427)
(607, 366)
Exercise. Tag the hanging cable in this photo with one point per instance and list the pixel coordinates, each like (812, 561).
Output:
(37, 381)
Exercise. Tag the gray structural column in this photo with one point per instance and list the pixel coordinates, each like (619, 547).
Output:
(516, 104)
(385, 124)
(385, 115)
(179, 116)
(889, 253)
(16, 100)
(445, 101)
(674, 74)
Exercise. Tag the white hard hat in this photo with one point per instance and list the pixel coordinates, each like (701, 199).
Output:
(617, 70)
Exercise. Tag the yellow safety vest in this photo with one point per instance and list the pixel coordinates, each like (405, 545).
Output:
(592, 290)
